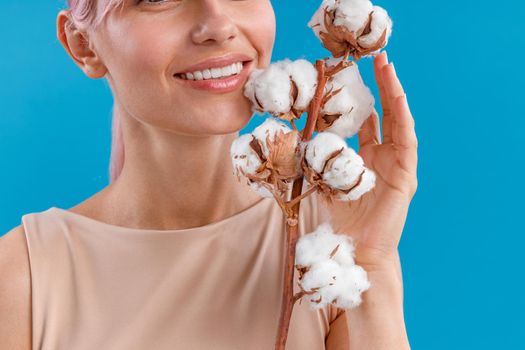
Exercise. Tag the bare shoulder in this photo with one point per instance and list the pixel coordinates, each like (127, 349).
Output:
(15, 291)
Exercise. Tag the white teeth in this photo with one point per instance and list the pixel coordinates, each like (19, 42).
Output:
(197, 75)
(214, 73)
(206, 74)
(226, 71)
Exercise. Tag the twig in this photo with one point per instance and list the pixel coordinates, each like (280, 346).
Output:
(302, 196)
(293, 124)
(292, 233)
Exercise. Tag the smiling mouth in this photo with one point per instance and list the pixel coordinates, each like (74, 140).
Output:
(216, 73)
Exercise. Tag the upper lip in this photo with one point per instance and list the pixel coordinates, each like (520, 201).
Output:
(217, 61)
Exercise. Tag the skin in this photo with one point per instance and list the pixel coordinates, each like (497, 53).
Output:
(172, 133)
(376, 220)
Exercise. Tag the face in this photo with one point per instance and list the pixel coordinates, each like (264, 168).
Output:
(147, 43)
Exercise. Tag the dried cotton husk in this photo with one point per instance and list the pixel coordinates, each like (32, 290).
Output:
(347, 101)
(351, 27)
(269, 158)
(284, 89)
(327, 270)
(337, 170)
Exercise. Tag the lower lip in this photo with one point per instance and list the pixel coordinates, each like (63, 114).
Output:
(220, 85)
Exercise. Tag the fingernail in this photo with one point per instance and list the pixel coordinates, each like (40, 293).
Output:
(386, 55)
(393, 68)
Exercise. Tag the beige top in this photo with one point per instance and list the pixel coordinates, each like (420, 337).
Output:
(100, 286)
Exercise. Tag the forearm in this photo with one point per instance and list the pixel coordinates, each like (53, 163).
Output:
(378, 323)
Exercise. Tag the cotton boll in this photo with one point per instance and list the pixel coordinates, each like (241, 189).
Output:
(244, 159)
(269, 89)
(345, 252)
(345, 170)
(317, 20)
(304, 74)
(367, 183)
(355, 101)
(351, 27)
(249, 89)
(349, 124)
(321, 147)
(328, 271)
(316, 246)
(353, 14)
(269, 128)
(349, 77)
(321, 275)
(339, 285)
(381, 22)
(352, 282)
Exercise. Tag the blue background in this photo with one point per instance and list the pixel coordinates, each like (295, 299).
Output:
(460, 63)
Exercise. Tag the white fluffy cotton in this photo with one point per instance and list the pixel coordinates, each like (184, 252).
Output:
(367, 183)
(339, 279)
(272, 88)
(317, 20)
(269, 89)
(355, 101)
(269, 128)
(321, 147)
(342, 172)
(381, 22)
(354, 15)
(345, 170)
(304, 74)
(244, 158)
(316, 247)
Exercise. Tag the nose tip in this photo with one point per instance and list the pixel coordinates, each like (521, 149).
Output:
(215, 28)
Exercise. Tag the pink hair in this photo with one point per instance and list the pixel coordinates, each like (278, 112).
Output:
(84, 14)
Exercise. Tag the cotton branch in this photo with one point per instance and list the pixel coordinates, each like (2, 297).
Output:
(292, 233)
(275, 158)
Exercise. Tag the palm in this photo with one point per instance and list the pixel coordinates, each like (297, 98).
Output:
(377, 218)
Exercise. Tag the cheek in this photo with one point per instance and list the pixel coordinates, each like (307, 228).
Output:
(136, 56)
(262, 31)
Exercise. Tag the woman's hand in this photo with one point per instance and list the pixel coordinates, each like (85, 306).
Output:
(376, 220)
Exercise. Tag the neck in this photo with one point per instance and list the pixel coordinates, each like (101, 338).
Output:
(172, 181)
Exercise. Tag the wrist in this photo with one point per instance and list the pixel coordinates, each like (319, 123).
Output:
(386, 266)
(378, 322)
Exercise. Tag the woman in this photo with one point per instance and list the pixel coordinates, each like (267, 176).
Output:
(175, 252)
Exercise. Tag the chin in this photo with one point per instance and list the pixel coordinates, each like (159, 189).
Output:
(227, 124)
(221, 121)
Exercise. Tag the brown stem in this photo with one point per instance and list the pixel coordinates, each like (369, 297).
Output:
(282, 204)
(298, 296)
(347, 54)
(293, 124)
(292, 231)
(302, 196)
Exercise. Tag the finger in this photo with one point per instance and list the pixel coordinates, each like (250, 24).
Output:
(405, 139)
(377, 127)
(392, 84)
(381, 61)
(369, 133)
